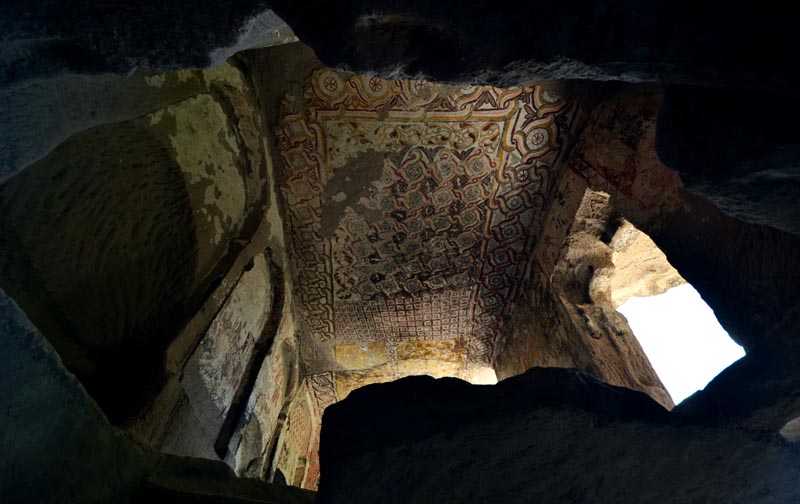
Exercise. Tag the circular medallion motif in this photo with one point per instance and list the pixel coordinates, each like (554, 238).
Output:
(443, 198)
(444, 170)
(374, 88)
(375, 84)
(472, 193)
(514, 202)
(330, 84)
(414, 171)
(477, 166)
(537, 138)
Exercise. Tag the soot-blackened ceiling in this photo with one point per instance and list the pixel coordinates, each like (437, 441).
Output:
(412, 209)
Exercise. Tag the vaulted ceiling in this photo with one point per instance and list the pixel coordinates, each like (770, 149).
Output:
(412, 209)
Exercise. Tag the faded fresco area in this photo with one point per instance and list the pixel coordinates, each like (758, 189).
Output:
(249, 261)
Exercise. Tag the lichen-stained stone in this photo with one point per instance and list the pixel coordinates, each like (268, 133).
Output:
(111, 240)
(207, 152)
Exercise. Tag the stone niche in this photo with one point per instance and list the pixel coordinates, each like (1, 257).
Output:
(233, 263)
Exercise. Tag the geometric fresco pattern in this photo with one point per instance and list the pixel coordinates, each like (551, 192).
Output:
(428, 317)
(437, 248)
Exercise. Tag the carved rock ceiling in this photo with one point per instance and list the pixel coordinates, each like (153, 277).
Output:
(412, 210)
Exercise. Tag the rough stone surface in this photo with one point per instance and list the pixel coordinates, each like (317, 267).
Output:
(430, 228)
(49, 38)
(552, 435)
(50, 431)
(759, 391)
(732, 263)
(634, 41)
(606, 260)
(751, 173)
(181, 480)
(563, 318)
(212, 376)
(57, 446)
(640, 268)
(111, 241)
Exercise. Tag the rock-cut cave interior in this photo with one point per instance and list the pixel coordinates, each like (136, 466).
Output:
(288, 252)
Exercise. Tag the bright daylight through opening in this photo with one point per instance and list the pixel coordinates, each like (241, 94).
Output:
(682, 338)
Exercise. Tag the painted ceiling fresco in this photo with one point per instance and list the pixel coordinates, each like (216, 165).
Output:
(412, 210)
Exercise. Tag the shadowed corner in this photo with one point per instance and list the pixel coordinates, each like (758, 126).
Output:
(436, 252)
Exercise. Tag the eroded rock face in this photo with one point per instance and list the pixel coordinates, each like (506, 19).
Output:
(51, 430)
(640, 268)
(47, 38)
(57, 445)
(616, 154)
(760, 391)
(429, 228)
(565, 317)
(552, 435)
(606, 260)
(112, 240)
(750, 173)
(677, 41)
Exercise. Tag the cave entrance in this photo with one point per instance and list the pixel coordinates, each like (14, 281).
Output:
(637, 320)
(685, 343)
(679, 333)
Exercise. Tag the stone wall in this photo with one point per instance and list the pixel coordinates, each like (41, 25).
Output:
(112, 241)
(148, 245)
(565, 316)
(268, 405)
(549, 435)
(732, 263)
(58, 446)
(212, 376)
